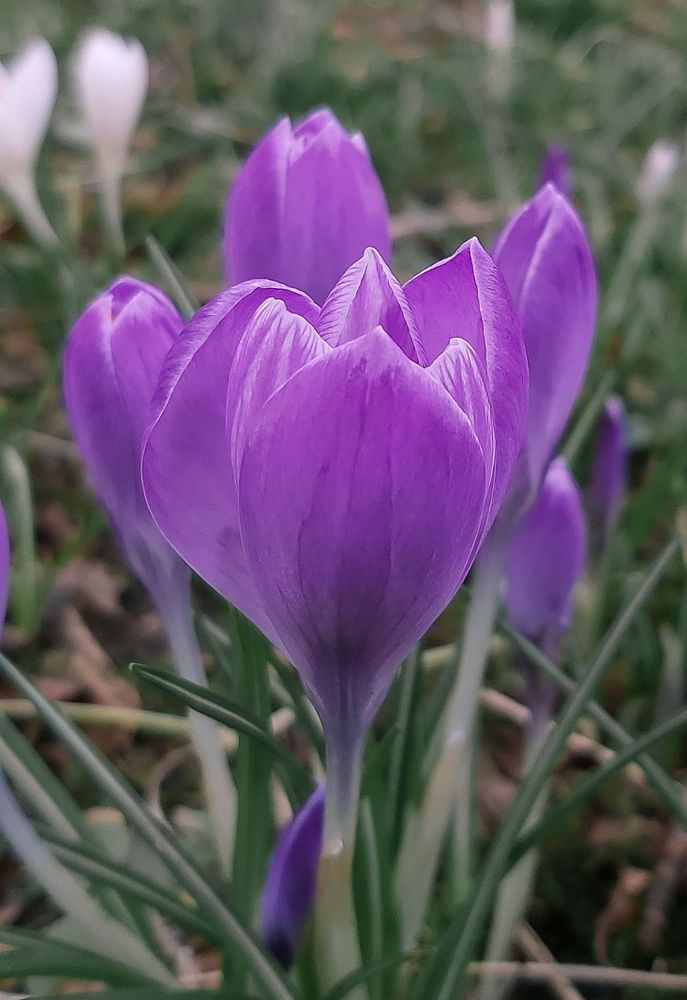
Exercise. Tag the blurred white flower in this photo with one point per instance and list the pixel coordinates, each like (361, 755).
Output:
(111, 79)
(499, 28)
(659, 168)
(28, 87)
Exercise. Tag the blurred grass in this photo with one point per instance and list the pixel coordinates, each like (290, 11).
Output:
(607, 77)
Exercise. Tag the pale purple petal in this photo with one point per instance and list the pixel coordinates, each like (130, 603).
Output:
(546, 557)
(289, 889)
(368, 295)
(112, 360)
(545, 257)
(466, 297)
(187, 466)
(304, 207)
(361, 494)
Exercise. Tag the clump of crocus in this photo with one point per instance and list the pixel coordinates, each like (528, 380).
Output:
(111, 80)
(332, 473)
(289, 889)
(555, 168)
(304, 206)
(28, 87)
(609, 470)
(112, 361)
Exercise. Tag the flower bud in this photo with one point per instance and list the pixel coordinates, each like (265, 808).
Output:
(290, 884)
(305, 205)
(609, 467)
(111, 79)
(28, 87)
(544, 255)
(546, 558)
(659, 168)
(112, 360)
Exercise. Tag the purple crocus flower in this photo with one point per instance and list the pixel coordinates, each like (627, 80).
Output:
(333, 471)
(544, 255)
(290, 884)
(304, 206)
(4, 565)
(546, 558)
(112, 361)
(555, 168)
(609, 468)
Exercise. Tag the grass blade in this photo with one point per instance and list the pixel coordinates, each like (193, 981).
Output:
(445, 975)
(114, 786)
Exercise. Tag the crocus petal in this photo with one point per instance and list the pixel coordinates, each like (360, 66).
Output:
(546, 557)
(368, 295)
(112, 360)
(187, 468)
(360, 495)
(459, 371)
(304, 207)
(466, 297)
(4, 566)
(609, 468)
(291, 878)
(544, 255)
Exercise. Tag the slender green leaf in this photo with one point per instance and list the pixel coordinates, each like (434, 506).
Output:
(589, 785)
(207, 702)
(48, 959)
(112, 783)
(348, 983)
(669, 790)
(444, 977)
(171, 277)
(101, 869)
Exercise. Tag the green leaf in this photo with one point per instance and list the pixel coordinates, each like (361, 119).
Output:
(587, 786)
(101, 869)
(116, 788)
(362, 975)
(444, 977)
(45, 958)
(669, 789)
(171, 277)
(201, 699)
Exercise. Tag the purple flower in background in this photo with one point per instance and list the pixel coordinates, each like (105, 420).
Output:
(546, 559)
(555, 168)
(609, 468)
(544, 255)
(332, 472)
(304, 206)
(4, 566)
(112, 361)
(290, 884)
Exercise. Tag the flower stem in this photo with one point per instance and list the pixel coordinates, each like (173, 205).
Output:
(22, 191)
(104, 935)
(337, 950)
(220, 792)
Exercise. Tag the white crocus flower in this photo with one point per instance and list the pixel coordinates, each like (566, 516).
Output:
(660, 165)
(111, 78)
(28, 87)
